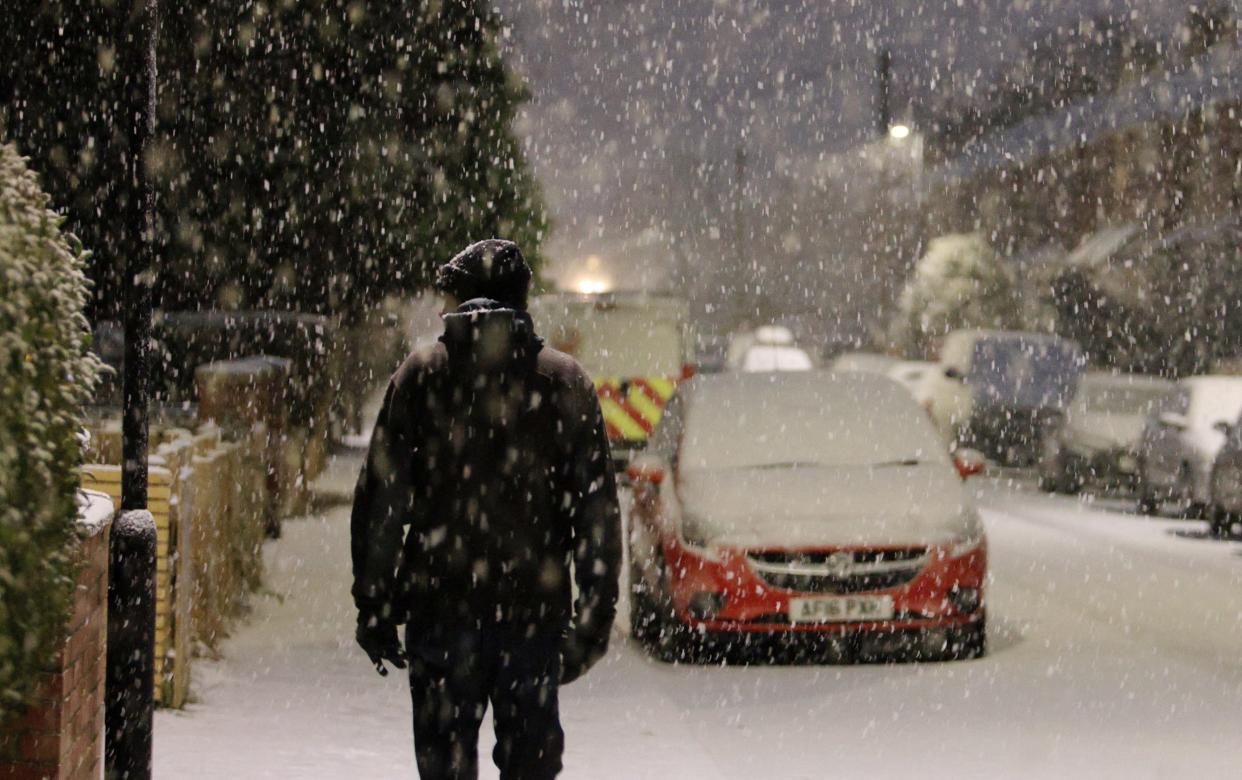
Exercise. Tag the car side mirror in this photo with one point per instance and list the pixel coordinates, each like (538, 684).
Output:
(969, 462)
(646, 473)
(1173, 420)
(954, 373)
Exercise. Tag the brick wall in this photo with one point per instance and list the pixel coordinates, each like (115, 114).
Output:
(61, 736)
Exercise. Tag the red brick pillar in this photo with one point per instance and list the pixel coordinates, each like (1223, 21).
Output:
(60, 737)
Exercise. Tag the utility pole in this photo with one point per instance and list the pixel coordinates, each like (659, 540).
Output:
(739, 228)
(130, 675)
(884, 88)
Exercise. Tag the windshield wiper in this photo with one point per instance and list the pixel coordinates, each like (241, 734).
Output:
(792, 464)
(902, 462)
(812, 464)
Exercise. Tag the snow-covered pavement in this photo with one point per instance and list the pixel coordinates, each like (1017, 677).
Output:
(1116, 652)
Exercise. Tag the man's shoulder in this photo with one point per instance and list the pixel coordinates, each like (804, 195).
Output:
(561, 367)
(425, 359)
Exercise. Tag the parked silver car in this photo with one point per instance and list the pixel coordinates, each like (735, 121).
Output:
(1181, 440)
(1097, 442)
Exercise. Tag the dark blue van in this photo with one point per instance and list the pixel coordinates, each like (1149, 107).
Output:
(1003, 390)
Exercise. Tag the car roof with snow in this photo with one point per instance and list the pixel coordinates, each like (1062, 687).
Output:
(1214, 398)
(979, 334)
(814, 416)
(1122, 380)
(774, 335)
(820, 384)
(863, 362)
(908, 367)
(1213, 384)
(762, 358)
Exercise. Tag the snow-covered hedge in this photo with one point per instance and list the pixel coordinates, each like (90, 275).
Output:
(46, 374)
(959, 283)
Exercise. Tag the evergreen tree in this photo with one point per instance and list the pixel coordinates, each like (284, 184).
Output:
(60, 90)
(314, 155)
(1205, 26)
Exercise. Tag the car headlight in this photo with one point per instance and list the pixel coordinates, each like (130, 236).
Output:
(694, 538)
(970, 538)
(965, 545)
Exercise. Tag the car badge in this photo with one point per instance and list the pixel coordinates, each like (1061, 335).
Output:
(839, 563)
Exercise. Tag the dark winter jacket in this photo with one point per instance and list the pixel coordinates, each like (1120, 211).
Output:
(488, 474)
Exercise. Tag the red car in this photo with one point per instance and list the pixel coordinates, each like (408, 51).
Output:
(804, 511)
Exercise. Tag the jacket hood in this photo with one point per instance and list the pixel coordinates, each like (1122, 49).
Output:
(489, 335)
(493, 269)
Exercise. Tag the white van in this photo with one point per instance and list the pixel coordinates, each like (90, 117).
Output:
(637, 347)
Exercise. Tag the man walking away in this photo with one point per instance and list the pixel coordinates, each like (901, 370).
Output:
(488, 479)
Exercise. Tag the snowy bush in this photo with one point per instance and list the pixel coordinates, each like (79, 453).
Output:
(958, 283)
(46, 375)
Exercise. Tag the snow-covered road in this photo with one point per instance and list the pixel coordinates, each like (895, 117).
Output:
(1116, 652)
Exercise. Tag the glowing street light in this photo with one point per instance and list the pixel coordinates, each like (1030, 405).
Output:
(590, 286)
(593, 279)
(899, 132)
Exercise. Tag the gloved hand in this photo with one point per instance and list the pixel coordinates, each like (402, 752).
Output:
(579, 652)
(378, 637)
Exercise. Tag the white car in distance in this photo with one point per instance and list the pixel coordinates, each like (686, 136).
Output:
(1181, 439)
(768, 348)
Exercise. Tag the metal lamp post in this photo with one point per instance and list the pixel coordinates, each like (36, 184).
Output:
(129, 698)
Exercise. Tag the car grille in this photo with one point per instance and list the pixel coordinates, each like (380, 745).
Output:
(782, 618)
(842, 571)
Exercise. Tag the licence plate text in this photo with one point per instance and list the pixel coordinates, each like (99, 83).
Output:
(841, 609)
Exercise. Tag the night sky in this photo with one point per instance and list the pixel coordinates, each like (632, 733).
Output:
(631, 98)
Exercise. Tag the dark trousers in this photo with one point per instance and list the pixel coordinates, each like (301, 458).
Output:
(453, 676)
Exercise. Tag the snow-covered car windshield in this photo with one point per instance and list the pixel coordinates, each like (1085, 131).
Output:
(805, 420)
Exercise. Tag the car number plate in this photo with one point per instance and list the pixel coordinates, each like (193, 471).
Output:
(841, 609)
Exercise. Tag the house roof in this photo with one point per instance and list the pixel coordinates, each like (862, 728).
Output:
(1214, 77)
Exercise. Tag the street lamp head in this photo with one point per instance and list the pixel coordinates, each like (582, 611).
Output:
(899, 132)
(592, 286)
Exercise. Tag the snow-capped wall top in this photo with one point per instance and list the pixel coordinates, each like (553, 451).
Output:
(94, 512)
